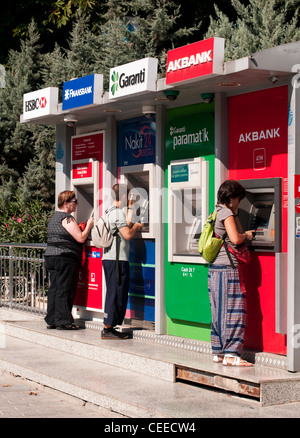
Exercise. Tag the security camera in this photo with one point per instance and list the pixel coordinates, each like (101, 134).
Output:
(207, 97)
(274, 79)
(149, 111)
(171, 95)
(70, 120)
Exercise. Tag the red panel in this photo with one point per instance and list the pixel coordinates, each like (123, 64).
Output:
(88, 146)
(258, 149)
(89, 288)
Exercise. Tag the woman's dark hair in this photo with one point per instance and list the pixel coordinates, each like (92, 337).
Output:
(230, 190)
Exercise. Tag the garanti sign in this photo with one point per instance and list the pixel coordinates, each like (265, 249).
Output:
(195, 60)
(134, 77)
(40, 103)
(83, 91)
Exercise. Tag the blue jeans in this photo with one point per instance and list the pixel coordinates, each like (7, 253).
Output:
(63, 272)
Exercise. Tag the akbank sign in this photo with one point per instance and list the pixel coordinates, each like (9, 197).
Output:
(40, 103)
(195, 60)
(134, 77)
(84, 91)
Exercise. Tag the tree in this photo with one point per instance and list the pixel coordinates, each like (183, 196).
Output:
(259, 25)
(20, 143)
(135, 29)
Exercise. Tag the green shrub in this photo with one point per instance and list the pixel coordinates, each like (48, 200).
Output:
(22, 222)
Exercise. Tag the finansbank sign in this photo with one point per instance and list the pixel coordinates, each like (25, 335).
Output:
(195, 60)
(83, 91)
(134, 77)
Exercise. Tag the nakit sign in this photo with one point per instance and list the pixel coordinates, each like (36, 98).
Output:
(134, 77)
(40, 103)
(195, 60)
(84, 91)
(136, 141)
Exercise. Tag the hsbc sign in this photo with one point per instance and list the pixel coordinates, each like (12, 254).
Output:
(33, 104)
(195, 60)
(40, 103)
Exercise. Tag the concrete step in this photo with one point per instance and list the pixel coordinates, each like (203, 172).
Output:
(163, 364)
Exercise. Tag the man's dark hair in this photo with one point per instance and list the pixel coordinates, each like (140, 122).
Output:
(119, 190)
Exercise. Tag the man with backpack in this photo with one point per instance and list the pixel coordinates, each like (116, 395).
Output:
(116, 262)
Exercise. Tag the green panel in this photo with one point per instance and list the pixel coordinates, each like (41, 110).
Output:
(188, 330)
(189, 134)
(186, 292)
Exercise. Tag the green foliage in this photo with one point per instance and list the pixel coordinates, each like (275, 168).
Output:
(22, 222)
(259, 25)
(27, 152)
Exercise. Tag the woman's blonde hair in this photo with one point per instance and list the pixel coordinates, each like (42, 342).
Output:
(65, 196)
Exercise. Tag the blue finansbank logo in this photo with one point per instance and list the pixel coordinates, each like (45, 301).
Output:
(81, 92)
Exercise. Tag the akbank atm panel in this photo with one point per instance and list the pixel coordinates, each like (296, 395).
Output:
(140, 180)
(85, 180)
(260, 210)
(188, 208)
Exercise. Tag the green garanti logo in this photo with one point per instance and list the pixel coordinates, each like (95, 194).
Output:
(115, 80)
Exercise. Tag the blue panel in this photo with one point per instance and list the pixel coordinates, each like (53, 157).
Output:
(136, 141)
(142, 279)
(142, 251)
(142, 308)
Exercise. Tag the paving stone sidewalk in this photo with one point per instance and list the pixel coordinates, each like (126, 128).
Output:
(20, 398)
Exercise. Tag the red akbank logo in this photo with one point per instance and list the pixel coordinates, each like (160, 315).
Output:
(35, 104)
(195, 60)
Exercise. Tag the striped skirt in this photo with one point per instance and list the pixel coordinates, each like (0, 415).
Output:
(229, 310)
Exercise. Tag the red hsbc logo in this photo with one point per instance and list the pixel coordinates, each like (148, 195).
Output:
(195, 60)
(43, 102)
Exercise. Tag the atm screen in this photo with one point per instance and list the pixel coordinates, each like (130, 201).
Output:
(261, 216)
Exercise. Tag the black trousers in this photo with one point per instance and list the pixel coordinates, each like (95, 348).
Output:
(116, 292)
(63, 272)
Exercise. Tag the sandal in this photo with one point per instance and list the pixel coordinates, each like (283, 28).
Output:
(218, 358)
(68, 327)
(236, 362)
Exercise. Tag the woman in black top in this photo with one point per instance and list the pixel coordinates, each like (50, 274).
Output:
(63, 259)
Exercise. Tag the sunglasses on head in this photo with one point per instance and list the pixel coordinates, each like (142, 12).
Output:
(73, 200)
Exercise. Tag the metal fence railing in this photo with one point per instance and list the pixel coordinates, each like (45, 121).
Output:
(23, 277)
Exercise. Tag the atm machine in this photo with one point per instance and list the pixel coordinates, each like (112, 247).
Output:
(141, 300)
(188, 208)
(260, 210)
(140, 180)
(86, 179)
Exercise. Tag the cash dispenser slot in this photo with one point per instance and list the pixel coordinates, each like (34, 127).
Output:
(260, 210)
